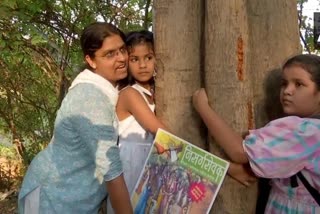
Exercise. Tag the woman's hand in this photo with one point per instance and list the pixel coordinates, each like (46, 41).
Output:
(242, 173)
(199, 98)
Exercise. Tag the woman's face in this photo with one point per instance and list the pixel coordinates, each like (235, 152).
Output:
(299, 95)
(110, 60)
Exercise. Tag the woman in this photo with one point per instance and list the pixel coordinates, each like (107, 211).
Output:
(82, 164)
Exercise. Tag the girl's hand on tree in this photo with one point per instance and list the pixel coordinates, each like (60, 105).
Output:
(199, 98)
(242, 173)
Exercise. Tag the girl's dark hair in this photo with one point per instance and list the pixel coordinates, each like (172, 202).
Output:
(93, 35)
(134, 38)
(137, 37)
(309, 62)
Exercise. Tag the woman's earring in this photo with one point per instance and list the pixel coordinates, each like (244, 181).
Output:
(154, 73)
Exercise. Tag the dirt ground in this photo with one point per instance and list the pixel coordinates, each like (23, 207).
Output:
(9, 204)
(10, 180)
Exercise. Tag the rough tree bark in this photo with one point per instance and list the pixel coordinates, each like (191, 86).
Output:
(228, 47)
(228, 88)
(177, 42)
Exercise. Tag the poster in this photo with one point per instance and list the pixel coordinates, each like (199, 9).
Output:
(178, 177)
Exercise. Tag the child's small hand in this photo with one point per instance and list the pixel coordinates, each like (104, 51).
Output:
(242, 173)
(199, 98)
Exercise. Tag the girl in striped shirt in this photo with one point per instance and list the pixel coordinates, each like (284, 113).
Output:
(284, 146)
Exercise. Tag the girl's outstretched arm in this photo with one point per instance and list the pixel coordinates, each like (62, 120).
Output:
(223, 134)
(242, 173)
(131, 102)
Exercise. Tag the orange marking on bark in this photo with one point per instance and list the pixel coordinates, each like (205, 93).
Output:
(240, 57)
(250, 115)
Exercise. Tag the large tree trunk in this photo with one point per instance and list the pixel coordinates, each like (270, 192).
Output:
(231, 45)
(177, 40)
(273, 38)
(228, 88)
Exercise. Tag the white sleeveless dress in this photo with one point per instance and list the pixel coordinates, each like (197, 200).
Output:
(135, 143)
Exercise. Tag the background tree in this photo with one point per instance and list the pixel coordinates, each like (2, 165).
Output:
(40, 54)
(306, 30)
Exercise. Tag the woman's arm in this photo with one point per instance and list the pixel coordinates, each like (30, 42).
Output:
(223, 134)
(119, 195)
(131, 102)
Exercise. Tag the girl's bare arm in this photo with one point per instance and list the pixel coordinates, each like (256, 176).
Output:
(223, 134)
(131, 101)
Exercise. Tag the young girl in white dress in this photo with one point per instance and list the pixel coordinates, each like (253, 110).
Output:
(135, 108)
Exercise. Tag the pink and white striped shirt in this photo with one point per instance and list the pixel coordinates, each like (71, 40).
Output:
(281, 149)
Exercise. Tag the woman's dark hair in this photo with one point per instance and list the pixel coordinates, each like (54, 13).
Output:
(134, 38)
(94, 34)
(309, 62)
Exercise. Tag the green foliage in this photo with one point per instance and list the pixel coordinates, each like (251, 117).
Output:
(32, 149)
(7, 152)
(305, 28)
(40, 53)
